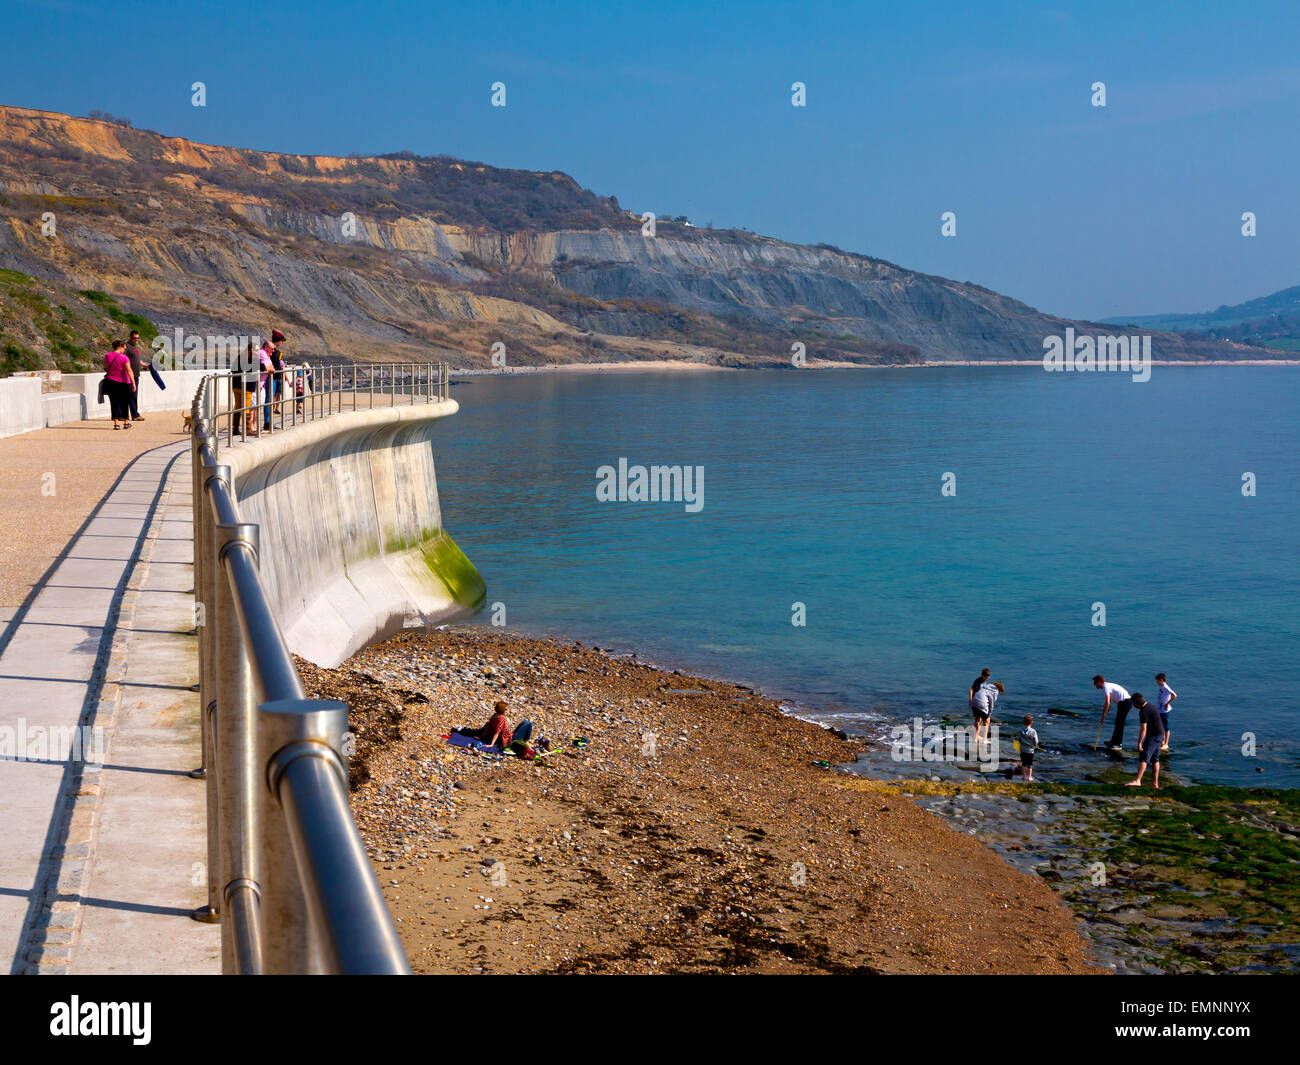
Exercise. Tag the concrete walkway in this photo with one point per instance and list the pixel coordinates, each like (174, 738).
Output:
(51, 479)
(103, 843)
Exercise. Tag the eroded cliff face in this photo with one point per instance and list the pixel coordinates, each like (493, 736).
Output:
(436, 258)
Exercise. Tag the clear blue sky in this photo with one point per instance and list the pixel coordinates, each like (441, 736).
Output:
(913, 109)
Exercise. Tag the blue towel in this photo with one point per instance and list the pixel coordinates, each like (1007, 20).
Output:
(472, 742)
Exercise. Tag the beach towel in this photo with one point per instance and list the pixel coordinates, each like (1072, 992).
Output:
(473, 743)
(157, 377)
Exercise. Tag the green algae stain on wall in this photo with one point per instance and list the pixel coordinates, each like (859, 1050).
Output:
(450, 565)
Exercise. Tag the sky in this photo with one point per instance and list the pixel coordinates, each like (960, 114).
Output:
(912, 109)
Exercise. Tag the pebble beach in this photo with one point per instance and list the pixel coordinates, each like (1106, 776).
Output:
(685, 824)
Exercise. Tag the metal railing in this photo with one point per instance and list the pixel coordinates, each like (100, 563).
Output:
(288, 874)
(253, 403)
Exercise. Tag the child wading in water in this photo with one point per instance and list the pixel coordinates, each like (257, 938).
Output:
(1028, 745)
(1167, 697)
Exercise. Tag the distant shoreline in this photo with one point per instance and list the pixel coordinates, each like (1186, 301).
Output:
(686, 366)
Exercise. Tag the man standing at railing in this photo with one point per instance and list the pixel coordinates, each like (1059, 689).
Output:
(277, 361)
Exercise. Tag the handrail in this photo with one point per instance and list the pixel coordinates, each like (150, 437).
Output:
(306, 393)
(288, 875)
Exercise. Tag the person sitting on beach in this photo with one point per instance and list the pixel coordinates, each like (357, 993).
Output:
(1151, 736)
(975, 686)
(982, 704)
(497, 731)
(1117, 696)
(1166, 696)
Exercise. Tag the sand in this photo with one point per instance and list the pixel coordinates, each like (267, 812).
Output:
(693, 833)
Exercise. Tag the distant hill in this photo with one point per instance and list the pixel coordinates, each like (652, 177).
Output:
(406, 257)
(1268, 322)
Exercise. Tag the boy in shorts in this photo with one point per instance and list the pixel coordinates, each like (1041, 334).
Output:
(1166, 699)
(1028, 745)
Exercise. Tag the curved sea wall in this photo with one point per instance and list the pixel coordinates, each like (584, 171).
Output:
(351, 545)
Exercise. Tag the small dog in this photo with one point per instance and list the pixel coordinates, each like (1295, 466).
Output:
(187, 421)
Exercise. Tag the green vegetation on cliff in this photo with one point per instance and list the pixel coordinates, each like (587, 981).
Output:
(74, 327)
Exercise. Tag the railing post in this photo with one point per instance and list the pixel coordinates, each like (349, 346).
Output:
(204, 599)
(294, 931)
(237, 785)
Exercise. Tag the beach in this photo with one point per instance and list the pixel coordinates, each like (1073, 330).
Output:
(813, 363)
(694, 831)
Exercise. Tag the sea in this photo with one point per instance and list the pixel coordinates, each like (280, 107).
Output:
(859, 543)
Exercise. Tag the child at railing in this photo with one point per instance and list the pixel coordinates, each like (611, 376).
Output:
(302, 382)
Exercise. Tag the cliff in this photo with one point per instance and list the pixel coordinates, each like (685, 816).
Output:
(418, 258)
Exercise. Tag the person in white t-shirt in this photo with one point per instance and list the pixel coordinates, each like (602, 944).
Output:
(1118, 697)
(1167, 697)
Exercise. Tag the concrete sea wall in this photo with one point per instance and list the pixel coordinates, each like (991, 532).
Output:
(25, 407)
(20, 405)
(178, 396)
(352, 547)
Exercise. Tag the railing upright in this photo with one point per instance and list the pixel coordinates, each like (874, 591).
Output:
(201, 442)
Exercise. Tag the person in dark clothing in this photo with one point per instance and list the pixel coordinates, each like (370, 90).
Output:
(243, 387)
(137, 365)
(1118, 697)
(1151, 737)
(277, 361)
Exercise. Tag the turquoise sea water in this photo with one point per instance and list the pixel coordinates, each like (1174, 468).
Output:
(824, 488)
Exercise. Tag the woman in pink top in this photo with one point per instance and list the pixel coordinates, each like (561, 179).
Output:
(119, 383)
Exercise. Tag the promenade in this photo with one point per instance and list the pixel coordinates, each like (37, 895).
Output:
(103, 845)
